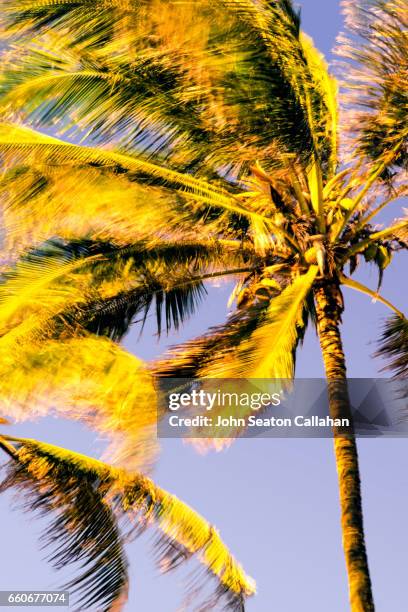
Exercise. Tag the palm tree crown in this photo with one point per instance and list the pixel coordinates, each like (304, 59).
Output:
(195, 140)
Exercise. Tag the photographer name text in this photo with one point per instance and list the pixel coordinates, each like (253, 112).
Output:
(256, 421)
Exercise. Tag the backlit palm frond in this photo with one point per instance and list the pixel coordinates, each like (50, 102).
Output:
(188, 360)
(136, 287)
(114, 284)
(393, 346)
(80, 491)
(251, 296)
(103, 385)
(174, 294)
(24, 145)
(40, 202)
(375, 50)
(269, 351)
(323, 91)
(234, 84)
(43, 301)
(72, 203)
(83, 527)
(258, 342)
(83, 378)
(98, 98)
(302, 69)
(35, 291)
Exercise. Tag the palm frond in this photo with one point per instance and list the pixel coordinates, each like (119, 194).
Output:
(174, 300)
(104, 386)
(117, 283)
(256, 343)
(400, 231)
(83, 527)
(396, 232)
(29, 16)
(174, 293)
(29, 146)
(76, 203)
(324, 89)
(189, 359)
(235, 84)
(81, 491)
(375, 51)
(83, 378)
(42, 303)
(393, 345)
(269, 351)
(43, 202)
(35, 291)
(348, 282)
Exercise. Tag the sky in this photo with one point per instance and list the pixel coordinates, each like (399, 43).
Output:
(275, 501)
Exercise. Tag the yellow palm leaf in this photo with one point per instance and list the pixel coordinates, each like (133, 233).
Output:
(327, 86)
(35, 290)
(73, 203)
(89, 379)
(23, 143)
(268, 352)
(182, 533)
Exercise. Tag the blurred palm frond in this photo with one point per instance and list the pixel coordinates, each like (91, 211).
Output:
(90, 501)
(375, 67)
(393, 346)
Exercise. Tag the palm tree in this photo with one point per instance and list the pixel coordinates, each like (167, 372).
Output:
(211, 146)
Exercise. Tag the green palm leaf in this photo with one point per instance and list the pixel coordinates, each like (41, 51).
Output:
(393, 345)
(81, 492)
(376, 61)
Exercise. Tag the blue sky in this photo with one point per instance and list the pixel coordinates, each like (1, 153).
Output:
(274, 501)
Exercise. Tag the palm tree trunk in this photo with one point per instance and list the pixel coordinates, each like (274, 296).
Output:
(329, 309)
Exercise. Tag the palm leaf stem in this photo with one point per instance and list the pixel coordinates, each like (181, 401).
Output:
(333, 182)
(8, 448)
(298, 191)
(320, 211)
(365, 220)
(353, 284)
